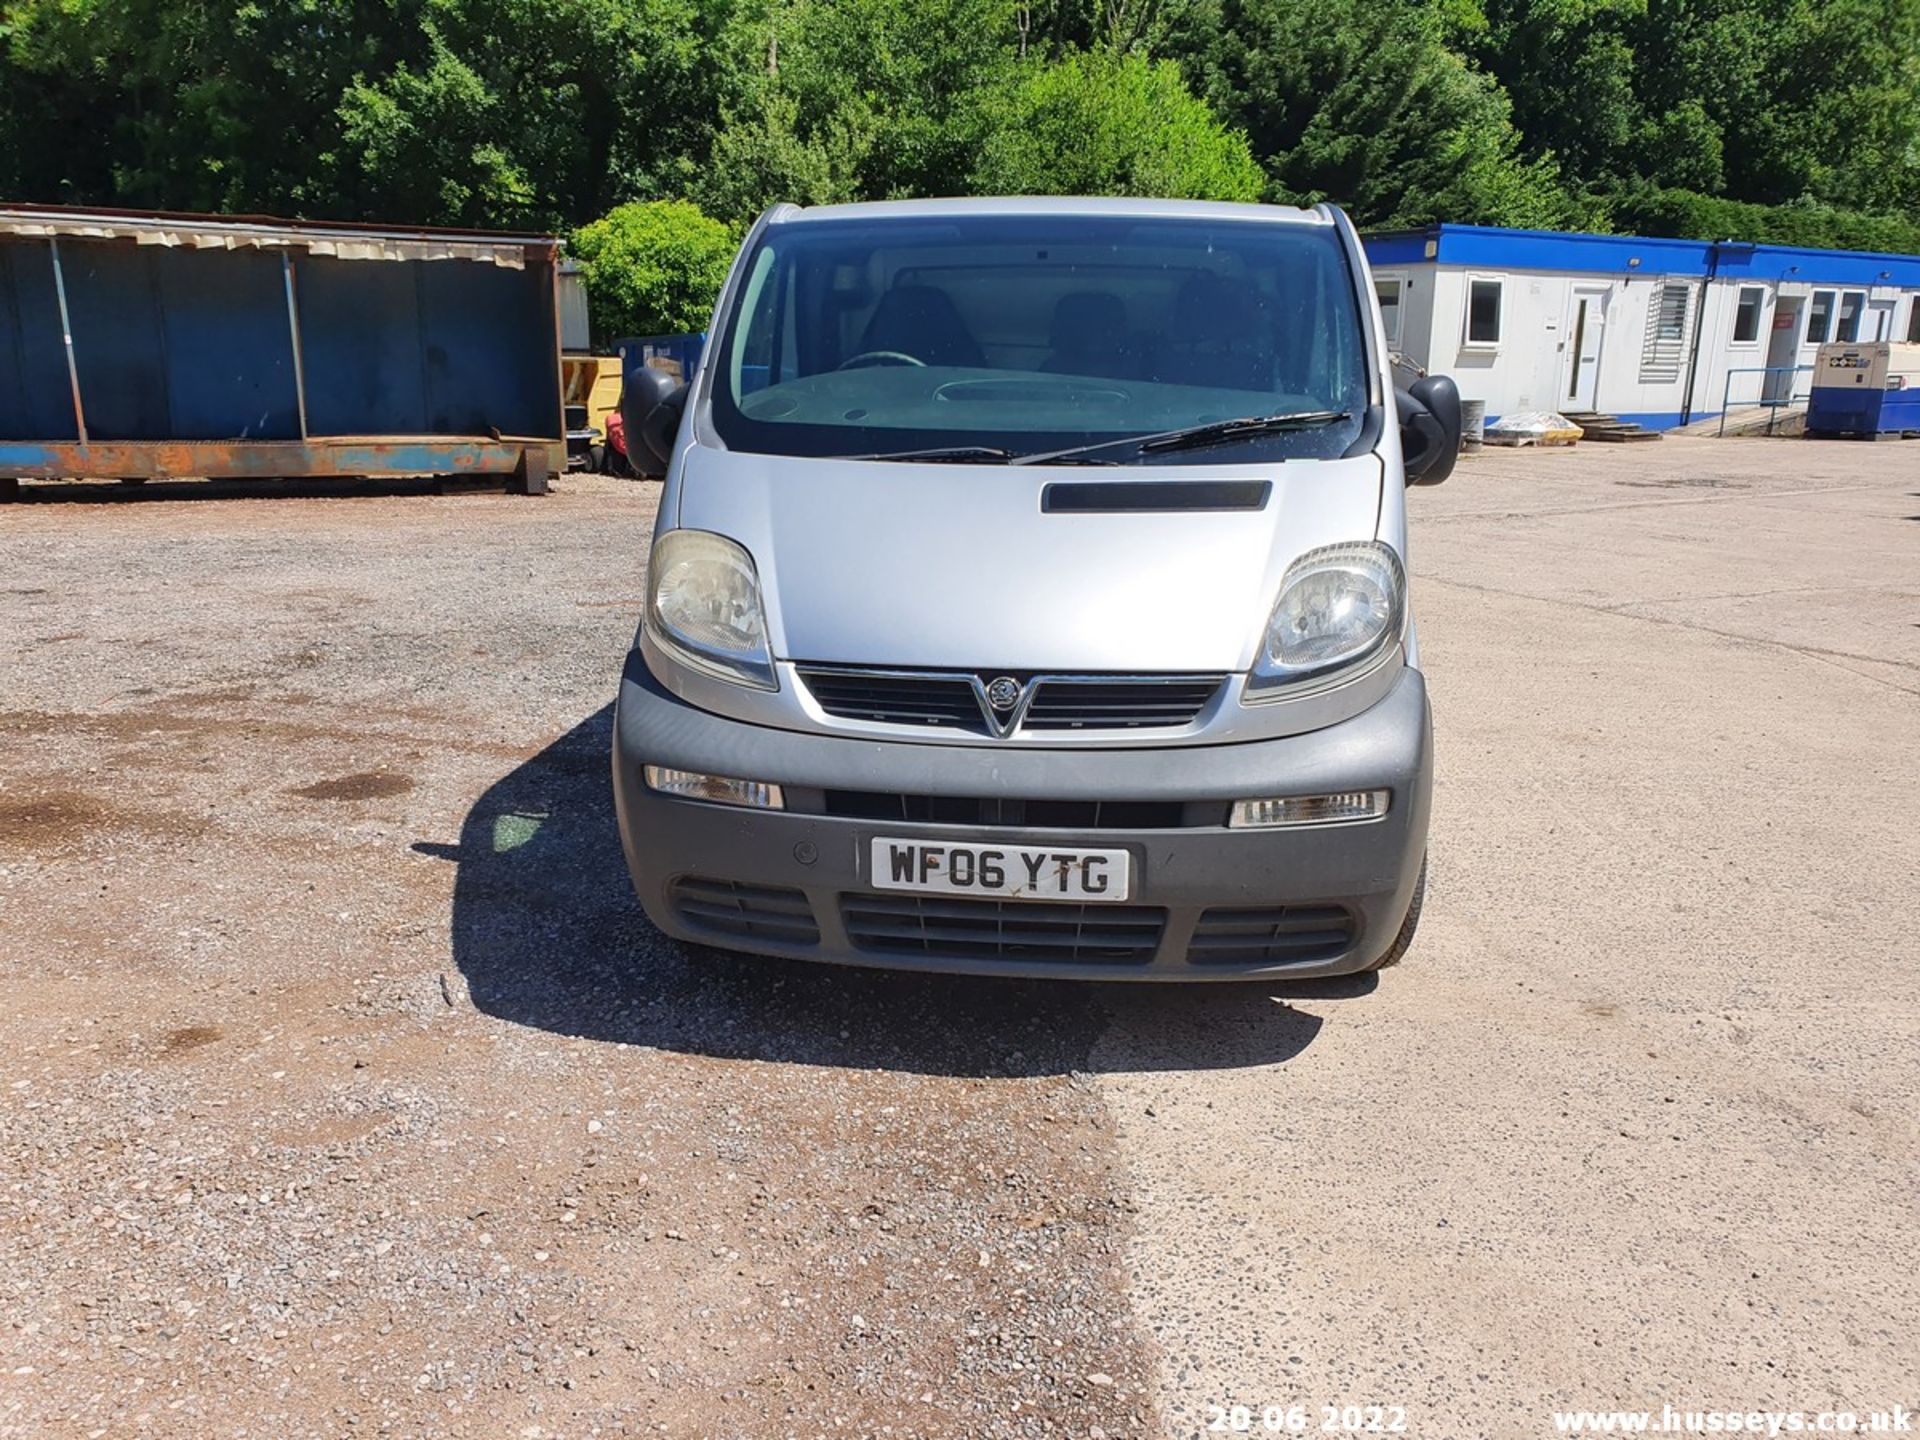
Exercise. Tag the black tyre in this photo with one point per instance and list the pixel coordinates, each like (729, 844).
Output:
(1408, 925)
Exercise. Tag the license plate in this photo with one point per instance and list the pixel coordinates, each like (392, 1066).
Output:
(1003, 872)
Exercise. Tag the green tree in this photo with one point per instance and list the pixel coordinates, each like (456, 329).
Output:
(763, 158)
(652, 268)
(1570, 69)
(1813, 98)
(505, 112)
(192, 107)
(530, 112)
(423, 142)
(1361, 102)
(1105, 124)
(546, 113)
(854, 99)
(1763, 101)
(1683, 147)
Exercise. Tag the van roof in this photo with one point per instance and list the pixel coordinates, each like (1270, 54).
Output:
(1115, 206)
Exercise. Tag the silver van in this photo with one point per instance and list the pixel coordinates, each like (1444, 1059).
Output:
(1029, 596)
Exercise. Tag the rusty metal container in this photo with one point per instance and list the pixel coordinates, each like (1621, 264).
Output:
(138, 345)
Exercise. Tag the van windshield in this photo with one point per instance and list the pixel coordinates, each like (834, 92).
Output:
(1031, 333)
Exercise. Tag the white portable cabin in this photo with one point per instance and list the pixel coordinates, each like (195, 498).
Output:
(1655, 331)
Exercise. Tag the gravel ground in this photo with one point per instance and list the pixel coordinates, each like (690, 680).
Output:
(1635, 1123)
(348, 1092)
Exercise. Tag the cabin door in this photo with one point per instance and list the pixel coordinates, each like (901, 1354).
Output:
(1586, 326)
(1783, 350)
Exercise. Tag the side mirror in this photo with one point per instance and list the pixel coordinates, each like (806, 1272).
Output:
(651, 403)
(1429, 428)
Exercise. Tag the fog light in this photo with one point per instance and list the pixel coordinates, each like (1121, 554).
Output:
(717, 789)
(1308, 810)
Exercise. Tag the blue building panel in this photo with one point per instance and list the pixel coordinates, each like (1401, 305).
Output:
(1492, 248)
(1654, 330)
(1819, 267)
(1402, 247)
(1573, 253)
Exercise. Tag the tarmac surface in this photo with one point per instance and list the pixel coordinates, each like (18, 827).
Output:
(348, 1092)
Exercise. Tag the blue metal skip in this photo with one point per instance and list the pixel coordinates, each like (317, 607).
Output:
(35, 396)
(204, 346)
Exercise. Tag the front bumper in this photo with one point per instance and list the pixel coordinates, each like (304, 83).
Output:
(787, 883)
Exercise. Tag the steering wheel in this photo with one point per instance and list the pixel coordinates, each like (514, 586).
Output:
(867, 359)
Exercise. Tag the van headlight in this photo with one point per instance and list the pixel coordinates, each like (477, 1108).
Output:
(703, 605)
(1339, 605)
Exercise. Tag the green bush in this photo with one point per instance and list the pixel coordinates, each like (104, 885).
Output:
(1650, 210)
(652, 268)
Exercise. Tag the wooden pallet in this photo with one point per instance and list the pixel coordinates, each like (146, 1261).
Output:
(1595, 426)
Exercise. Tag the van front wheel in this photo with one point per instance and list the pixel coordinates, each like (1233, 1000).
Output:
(1408, 925)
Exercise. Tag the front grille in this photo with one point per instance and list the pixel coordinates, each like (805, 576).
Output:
(1119, 704)
(745, 912)
(943, 701)
(1002, 929)
(1057, 702)
(1017, 814)
(1275, 934)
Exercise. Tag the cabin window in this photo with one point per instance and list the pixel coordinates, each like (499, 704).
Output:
(1820, 318)
(1913, 322)
(1852, 302)
(1390, 288)
(1483, 311)
(1746, 315)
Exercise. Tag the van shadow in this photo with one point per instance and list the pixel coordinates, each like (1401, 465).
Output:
(548, 934)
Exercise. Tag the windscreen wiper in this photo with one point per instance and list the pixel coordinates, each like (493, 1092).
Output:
(1197, 435)
(967, 455)
(944, 455)
(1191, 437)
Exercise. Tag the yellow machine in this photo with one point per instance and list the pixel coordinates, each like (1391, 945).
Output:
(592, 381)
